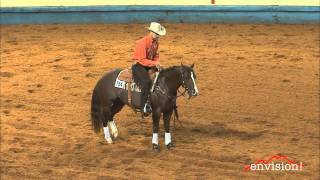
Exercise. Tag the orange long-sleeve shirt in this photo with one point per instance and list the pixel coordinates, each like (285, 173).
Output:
(142, 50)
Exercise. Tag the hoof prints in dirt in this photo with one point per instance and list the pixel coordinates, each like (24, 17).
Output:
(30, 91)
(6, 74)
(58, 59)
(66, 78)
(6, 112)
(18, 106)
(279, 56)
(89, 75)
(219, 130)
(226, 132)
(33, 86)
(87, 64)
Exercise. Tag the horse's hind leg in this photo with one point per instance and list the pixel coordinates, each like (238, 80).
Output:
(116, 107)
(108, 113)
(106, 118)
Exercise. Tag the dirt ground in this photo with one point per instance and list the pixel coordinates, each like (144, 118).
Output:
(259, 87)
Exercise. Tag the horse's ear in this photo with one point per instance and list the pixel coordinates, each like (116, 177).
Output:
(192, 65)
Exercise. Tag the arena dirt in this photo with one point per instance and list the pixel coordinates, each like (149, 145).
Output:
(259, 97)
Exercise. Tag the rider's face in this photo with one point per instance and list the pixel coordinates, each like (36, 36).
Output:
(154, 35)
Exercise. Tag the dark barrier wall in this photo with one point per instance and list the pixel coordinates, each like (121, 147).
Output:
(142, 14)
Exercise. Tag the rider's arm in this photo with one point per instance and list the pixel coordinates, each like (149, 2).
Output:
(157, 58)
(147, 62)
(140, 55)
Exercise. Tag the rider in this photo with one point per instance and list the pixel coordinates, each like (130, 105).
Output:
(146, 57)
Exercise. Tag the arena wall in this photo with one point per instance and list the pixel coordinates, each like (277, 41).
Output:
(32, 3)
(164, 13)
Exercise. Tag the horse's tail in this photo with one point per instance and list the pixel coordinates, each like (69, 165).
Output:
(175, 110)
(96, 114)
(176, 116)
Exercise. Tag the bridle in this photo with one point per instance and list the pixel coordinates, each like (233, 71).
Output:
(182, 93)
(183, 84)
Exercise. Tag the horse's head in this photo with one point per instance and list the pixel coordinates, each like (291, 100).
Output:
(188, 77)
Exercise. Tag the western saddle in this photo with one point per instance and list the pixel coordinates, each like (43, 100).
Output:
(126, 76)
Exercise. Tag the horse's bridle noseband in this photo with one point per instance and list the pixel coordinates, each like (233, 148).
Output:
(183, 84)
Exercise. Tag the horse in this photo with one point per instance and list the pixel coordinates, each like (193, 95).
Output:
(107, 100)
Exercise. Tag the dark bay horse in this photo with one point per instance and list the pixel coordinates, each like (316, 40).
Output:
(107, 100)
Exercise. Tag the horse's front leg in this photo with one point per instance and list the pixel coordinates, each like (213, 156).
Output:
(155, 119)
(166, 122)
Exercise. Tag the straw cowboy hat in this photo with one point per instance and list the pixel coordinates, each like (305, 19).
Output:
(157, 28)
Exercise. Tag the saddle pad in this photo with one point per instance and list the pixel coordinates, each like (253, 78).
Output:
(124, 84)
(125, 75)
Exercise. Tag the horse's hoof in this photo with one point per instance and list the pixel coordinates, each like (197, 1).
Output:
(156, 148)
(109, 140)
(170, 146)
(115, 134)
(114, 130)
(145, 114)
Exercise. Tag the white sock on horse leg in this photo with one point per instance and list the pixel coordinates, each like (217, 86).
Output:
(167, 138)
(155, 138)
(107, 134)
(114, 129)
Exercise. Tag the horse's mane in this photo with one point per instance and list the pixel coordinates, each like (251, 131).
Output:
(167, 71)
(171, 68)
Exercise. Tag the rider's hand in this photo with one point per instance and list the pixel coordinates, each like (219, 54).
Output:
(159, 67)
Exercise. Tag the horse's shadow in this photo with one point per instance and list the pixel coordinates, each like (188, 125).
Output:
(216, 130)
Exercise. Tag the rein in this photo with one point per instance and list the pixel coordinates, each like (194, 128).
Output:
(182, 93)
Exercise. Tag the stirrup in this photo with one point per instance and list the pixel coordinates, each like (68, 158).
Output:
(147, 109)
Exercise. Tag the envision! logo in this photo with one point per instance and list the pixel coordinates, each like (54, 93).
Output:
(268, 165)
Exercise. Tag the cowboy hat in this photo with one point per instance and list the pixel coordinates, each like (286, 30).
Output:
(157, 28)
